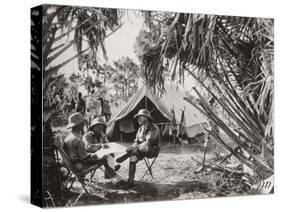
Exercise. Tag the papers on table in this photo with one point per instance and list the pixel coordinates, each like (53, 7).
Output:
(114, 148)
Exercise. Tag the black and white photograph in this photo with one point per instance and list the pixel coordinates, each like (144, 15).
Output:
(139, 105)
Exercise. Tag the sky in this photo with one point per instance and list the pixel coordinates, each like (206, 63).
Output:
(122, 41)
(119, 44)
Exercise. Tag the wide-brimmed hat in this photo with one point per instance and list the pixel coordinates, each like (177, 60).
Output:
(143, 112)
(74, 120)
(96, 121)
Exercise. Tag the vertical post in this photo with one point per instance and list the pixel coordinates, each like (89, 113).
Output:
(145, 98)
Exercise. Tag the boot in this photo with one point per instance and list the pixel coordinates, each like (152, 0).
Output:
(123, 158)
(131, 150)
(132, 171)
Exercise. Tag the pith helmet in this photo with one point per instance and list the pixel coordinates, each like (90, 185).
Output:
(144, 112)
(96, 121)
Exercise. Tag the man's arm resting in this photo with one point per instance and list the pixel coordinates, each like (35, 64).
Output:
(153, 137)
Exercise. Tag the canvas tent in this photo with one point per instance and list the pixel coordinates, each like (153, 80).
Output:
(161, 108)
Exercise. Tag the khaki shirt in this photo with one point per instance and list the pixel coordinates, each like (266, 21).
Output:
(149, 134)
(74, 147)
(94, 142)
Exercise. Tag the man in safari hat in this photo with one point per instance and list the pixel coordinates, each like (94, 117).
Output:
(75, 148)
(95, 139)
(146, 143)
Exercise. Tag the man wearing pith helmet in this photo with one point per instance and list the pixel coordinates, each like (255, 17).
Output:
(146, 143)
(75, 148)
(95, 139)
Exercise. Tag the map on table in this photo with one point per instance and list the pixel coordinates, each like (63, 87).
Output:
(113, 148)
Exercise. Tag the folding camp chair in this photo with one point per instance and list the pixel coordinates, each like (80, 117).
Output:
(149, 166)
(73, 172)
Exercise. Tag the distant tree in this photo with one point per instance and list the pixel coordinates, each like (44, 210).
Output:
(144, 42)
(126, 74)
(85, 29)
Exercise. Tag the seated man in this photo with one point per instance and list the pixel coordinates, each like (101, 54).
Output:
(74, 147)
(146, 143)
(95, 139)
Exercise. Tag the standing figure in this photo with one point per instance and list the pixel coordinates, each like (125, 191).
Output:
(80, 105)
(72, 105)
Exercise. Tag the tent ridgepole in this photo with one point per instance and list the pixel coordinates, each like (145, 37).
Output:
(145, 98)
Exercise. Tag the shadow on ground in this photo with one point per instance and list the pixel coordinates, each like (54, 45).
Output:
(143, 191)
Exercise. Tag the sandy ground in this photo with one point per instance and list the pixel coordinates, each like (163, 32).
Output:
(173, 174)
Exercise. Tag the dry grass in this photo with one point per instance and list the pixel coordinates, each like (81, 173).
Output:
(174, 178)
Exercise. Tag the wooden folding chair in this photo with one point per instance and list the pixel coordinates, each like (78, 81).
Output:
(149, 166)
(73, 172)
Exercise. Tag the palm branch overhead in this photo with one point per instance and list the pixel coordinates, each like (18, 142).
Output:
(235, 54)
(67, 26)
(81, 27)
(76, 24)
